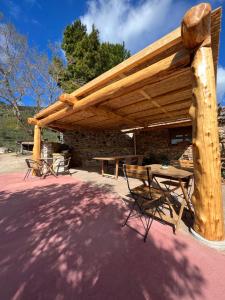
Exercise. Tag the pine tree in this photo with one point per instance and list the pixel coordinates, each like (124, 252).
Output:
(86, 56)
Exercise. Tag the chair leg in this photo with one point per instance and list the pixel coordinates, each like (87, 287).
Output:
(147, 229)
(24, 178)
(27, 174)
(149, 224)
(131, 210)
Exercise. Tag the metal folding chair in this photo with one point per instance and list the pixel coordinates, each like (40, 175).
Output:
(144, 196)
(33, 165)
(47, 168)
(65, 165)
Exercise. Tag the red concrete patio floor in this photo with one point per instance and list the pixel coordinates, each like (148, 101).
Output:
(62, 239)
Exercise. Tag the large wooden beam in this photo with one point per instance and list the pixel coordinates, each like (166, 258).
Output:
(137, 80)
(50, 109)
(66, 111)
(207, 196)
(196, 24)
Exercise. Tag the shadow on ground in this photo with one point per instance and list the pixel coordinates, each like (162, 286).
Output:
(65, 241)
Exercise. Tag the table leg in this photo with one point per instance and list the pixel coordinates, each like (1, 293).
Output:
(117, 169)
(174, 217)
(185, 199)
(102, 170)
(185, 195)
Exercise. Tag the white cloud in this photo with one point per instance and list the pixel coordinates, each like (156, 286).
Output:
(221, 84)
(14, 9)
(136, 24)
(32, 3)
(35, 22)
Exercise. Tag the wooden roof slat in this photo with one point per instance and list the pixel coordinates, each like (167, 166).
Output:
(141, 117)
(185, 103)
(110, 114)
(172, 97)
(178, 113)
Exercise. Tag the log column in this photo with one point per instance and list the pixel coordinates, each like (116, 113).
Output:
(37, 143)
(207, 196)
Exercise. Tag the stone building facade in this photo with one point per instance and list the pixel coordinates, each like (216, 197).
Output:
(84, 145)
(155, 145)
(165, 144)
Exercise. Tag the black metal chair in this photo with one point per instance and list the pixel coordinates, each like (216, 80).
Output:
(144, 196)
(65, 165)
(35, 166)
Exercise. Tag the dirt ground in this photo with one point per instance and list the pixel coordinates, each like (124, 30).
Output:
(11, 163)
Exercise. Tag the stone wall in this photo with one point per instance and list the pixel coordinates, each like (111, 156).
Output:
(222, 140)
(87, 144)
(155, 145)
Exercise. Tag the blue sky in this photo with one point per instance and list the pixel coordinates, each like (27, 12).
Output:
(137, 22)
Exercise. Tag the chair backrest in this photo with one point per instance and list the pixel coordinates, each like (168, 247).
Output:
(64, 162)
(137, 172)
(32, 164)
(67, 162)
(183, 164)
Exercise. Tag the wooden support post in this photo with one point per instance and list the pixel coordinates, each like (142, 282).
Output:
(207, 196)
(135, 143)
(37, 144)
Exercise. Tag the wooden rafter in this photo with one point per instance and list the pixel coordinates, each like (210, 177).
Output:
(111, 114)
(155, 103)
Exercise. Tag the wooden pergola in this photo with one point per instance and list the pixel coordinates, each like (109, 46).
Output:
(172, 80)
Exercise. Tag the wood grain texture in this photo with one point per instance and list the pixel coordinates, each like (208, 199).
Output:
(134, 81)
(32, 121)
(196, 26)
(207, 196)
(148, 53)
(37, 143)
(66, 111)
(50, 109)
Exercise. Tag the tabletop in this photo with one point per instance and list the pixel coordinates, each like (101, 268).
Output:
(170, 172)
(117, 157)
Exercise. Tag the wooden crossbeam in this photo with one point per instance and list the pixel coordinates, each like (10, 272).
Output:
(155, 103)
(111, 114)
(99, 111)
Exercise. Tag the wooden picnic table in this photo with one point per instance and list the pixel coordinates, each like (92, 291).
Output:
(117, 159)
(177, 178)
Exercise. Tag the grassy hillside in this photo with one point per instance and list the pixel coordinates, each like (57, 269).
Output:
(10, 130)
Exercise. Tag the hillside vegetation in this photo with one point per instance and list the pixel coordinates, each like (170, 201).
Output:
(10, 130)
